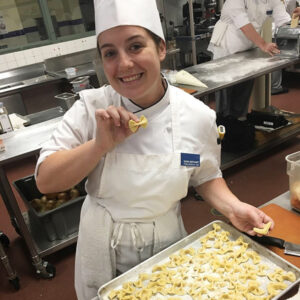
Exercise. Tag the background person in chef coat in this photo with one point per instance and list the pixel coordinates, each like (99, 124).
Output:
(238, 30)
(135, 180)
(276, 83)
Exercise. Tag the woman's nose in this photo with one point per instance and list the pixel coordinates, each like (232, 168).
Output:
(125, 61)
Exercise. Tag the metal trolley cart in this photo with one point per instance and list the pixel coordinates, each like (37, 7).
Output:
(11, 273)
(19, 145)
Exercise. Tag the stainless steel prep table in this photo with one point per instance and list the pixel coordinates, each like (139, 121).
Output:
(231, 70)
(20, 144)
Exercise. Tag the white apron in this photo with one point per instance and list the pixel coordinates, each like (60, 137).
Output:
(227, 39)
(147, 190)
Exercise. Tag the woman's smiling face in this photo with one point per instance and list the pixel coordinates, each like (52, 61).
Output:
(131, 62)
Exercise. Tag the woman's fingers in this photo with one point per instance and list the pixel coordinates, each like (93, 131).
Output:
(115, 115)
(120, 116)
(102, 114)
(271, 48)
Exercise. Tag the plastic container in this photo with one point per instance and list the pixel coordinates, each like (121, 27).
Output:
(80, 83)
(55, 224)
(71, 72)
(293, 170)
(66, 100)
(5, 122)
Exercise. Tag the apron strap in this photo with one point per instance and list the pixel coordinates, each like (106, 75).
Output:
(117, 235)
(156, 242)
(136, 235)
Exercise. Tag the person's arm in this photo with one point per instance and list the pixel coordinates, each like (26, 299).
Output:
(242, 215)
(65, 168)
(252, 35)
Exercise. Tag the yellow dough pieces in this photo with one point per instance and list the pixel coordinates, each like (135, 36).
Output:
(264, 230)
(294, 21)
(233, 271)
(133, 126)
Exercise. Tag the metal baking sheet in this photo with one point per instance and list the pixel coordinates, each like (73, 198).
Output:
(192, 240)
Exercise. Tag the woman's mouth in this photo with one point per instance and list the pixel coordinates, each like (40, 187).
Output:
(131, 78)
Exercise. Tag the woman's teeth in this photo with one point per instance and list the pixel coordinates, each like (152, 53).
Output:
(131, 78)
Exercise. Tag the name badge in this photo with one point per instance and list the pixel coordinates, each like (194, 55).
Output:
(190, 160)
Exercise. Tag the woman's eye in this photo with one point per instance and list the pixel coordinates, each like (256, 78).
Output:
(136, 47)
(109, 53)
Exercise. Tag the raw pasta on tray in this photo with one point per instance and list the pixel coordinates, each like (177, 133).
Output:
(215, 266)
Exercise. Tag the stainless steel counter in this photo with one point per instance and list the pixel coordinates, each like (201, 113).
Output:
(82, 61)
(227, 71)
(49, 71)
(15, 80)
(26, 141)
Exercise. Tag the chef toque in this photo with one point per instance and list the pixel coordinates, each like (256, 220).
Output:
(112, 13)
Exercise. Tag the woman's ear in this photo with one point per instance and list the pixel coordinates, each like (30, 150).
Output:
(162, 50)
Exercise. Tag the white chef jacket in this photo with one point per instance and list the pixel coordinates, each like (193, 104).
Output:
(197, 123)
(290, 6)
(238, 13)
(102, 217)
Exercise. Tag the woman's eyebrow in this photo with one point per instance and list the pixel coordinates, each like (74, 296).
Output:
(128, 40)
(134, 37)
(106, 45)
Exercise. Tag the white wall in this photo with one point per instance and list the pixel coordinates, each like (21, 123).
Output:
(39, 54)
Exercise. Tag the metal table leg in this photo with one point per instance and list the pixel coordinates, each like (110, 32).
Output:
(262, 92)
(268, 90)
(43, 268)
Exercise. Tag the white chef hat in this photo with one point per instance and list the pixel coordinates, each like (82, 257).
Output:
(112, 13)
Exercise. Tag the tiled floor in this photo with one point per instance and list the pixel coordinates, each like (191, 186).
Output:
(256, 181)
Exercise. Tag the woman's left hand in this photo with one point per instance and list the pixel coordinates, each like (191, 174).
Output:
(245, 217)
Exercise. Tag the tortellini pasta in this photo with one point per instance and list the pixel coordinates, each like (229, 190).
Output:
(219, 268)
(263, 230)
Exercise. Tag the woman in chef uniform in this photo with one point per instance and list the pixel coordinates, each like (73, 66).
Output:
(238, 30)
(135, 180)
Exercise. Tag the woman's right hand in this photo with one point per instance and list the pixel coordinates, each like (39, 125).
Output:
(112, 126)
(270, 48)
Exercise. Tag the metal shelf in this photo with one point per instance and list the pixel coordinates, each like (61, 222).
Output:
(270, 140)
(43, 245)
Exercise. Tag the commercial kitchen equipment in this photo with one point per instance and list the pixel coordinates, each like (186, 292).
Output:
(288, 41)
(204, 15)
(199, 18)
